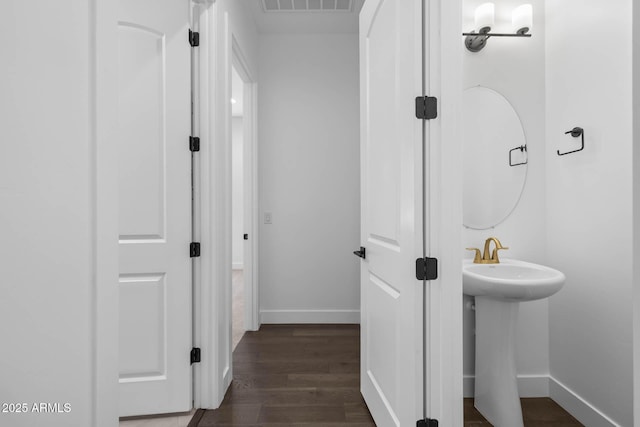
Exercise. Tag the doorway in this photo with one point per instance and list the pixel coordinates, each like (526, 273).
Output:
(239, 237)
(244, 199)
(304, 183)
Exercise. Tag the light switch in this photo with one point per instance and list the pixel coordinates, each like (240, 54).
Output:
(267, 217)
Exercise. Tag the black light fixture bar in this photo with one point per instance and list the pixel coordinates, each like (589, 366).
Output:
(475, 42)
(497, 34)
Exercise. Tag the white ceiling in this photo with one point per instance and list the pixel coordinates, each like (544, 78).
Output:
(300, 22)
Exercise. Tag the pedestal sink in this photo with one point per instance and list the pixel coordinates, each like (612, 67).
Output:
(499, 289)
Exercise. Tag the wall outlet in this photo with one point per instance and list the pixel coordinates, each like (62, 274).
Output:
(267, 217)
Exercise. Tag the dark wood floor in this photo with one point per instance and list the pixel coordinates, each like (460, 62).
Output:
(287, 375)
(539, 411)
(290, 375)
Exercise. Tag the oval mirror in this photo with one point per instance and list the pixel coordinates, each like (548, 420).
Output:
(495, 158)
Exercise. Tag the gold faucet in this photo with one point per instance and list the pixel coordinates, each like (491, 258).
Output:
(485, 256)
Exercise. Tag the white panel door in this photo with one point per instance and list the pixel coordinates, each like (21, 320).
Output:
(391, 147)
(155, 206)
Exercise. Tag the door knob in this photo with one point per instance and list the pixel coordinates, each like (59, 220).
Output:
(362, 253)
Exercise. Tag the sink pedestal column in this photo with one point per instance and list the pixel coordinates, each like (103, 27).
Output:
(496, 386)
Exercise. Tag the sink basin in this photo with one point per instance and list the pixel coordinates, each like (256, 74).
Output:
(511, 280)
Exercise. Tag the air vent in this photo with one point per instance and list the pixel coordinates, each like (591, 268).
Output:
(307, 5)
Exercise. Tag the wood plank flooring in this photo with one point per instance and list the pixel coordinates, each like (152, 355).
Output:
(295, 375)
(237, 307)
(288, 375)
(539, 411)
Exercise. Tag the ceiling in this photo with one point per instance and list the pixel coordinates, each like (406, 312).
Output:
(304, 21)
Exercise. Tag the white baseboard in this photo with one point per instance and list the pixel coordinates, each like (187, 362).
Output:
(237, 266)
(582, 410)
(309, 316)
(528, 385)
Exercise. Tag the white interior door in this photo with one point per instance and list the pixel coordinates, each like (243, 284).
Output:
(391, 150)
(155, 206)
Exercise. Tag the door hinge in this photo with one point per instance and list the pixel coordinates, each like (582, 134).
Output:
(194, 249)
(194, 143)
(427, 422)
(195, 355)
(426, 107)
(194, 38)
(426, 269)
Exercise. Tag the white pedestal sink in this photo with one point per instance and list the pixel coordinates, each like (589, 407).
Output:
(499, 289)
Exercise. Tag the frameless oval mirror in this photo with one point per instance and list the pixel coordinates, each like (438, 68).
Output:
(495, 158)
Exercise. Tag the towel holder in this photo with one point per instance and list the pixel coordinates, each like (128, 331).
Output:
(575, 132)
(523, 149)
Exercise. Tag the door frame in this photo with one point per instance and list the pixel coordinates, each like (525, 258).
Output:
(443, 322)
(104, 165)
(250, 181)
(219, 49)
(212, 374)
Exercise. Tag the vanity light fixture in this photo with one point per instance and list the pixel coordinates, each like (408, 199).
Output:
(521, 22)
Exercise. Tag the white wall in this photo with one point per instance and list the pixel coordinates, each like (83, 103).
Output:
(309, 178)
(589, 207)
(237, 193)
(48, 271)
(244, 30)
(514, 67)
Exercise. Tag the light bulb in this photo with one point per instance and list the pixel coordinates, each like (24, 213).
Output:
(522, 19)
(484, 17)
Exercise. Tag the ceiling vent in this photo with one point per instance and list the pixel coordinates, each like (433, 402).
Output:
(307, 5)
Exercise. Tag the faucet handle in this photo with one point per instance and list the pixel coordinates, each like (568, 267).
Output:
(477, 257)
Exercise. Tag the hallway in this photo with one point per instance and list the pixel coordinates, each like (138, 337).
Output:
(289, 374)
